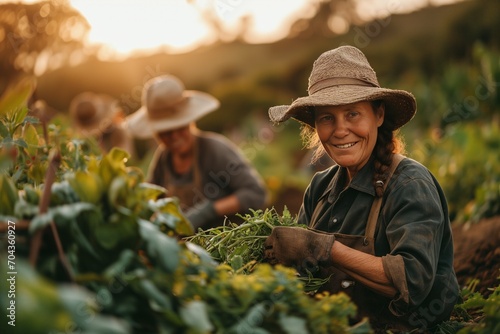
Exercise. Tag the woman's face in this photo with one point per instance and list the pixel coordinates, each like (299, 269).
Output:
(349, 132)
(178, 141)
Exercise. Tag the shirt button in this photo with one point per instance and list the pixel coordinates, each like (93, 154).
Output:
(334, 220)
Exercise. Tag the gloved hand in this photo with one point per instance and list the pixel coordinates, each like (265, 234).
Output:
(301, 248)
(200, 214)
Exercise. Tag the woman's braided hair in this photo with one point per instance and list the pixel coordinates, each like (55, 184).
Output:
(388, 143)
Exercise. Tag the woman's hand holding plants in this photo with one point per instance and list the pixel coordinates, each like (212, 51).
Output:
(304, 249)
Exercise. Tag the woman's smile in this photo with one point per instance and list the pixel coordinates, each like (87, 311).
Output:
(349, 133)
(344, 146)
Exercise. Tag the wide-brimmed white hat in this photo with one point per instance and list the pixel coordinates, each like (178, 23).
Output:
(167, 105)
(92, 112)
(343, 76)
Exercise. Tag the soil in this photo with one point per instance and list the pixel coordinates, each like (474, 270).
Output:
(476, 246)
(477, 253)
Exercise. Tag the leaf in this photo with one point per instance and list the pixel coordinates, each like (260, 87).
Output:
(20, 142)
(168, 212)
(195, 315)
(201, 253)
(16, 94)
(165, 250)
(4, 132)
(123, 231)
(41, 221)
(30, 135)
(88, 186)
(8, 195)
(112, 165)
(107, 235)
(82, 306)
(66, 216)
(252, 321)
(292, 325)
(148, 191)
(236, 262)
(127, 256)
(157, 299)
(118, 191)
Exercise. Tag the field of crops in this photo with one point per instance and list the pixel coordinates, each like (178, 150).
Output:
(92, 248)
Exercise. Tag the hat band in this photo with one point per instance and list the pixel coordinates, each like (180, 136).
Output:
(322, 84)
(168, 111)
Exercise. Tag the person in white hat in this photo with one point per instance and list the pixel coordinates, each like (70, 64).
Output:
(204, 170)
(99, 116)
(378, 221)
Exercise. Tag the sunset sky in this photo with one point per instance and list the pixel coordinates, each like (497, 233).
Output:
(141, 26)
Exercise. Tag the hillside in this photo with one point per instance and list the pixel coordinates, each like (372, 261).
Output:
(393, 45)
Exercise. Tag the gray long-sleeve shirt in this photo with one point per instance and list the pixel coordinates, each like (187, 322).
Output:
(223, 171)
(413, 234)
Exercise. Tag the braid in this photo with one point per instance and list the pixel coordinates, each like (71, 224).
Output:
(384, 151)
(388, 143)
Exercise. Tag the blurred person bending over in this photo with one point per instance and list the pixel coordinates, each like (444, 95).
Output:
(99, 116)
(378, 221)
(204, 170)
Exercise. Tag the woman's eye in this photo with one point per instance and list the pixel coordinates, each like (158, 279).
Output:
(325, 118)
(352, 114)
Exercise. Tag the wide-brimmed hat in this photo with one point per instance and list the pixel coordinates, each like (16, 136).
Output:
(93, 112)
(167, 105)
(343, 76)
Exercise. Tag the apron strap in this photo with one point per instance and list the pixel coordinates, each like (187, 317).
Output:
(377, 202)
(317, 210)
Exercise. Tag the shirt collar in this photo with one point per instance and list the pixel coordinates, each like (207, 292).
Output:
(362, 181)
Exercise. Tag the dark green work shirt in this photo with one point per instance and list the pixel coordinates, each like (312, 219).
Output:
(413, 234)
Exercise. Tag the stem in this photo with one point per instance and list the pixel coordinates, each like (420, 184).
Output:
(36, 243)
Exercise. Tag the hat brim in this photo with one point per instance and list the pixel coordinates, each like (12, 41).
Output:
(197, 105)
(400, 105)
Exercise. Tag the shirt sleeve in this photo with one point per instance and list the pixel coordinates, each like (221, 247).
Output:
(225, 167)
(413, 218)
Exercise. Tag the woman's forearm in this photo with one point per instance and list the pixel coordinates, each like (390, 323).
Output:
(365, 268)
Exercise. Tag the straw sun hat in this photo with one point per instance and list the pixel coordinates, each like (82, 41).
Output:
(167, 105)
(92, 112)
(343, 76)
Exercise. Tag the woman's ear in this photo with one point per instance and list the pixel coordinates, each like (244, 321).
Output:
(380, 114)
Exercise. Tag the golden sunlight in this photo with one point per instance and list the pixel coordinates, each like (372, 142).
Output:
(177, 25)
(127, 26)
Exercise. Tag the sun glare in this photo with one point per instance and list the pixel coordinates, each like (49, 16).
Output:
(127, 26)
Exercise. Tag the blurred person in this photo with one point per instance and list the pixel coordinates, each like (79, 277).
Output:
(100, 117)
(204, 170)
(378, 221)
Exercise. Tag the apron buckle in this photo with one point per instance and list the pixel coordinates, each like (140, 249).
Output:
(347, 283)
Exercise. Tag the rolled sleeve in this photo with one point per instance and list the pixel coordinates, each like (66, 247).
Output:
(394, 268)
(414, 233)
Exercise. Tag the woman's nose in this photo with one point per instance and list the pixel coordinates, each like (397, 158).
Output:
(341, 130)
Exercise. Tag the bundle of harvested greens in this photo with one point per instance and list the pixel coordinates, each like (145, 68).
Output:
(241, 245)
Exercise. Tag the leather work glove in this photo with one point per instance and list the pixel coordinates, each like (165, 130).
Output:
(201, 214)
(301, 248)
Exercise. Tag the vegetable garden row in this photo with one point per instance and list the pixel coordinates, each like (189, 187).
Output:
(98, 250)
